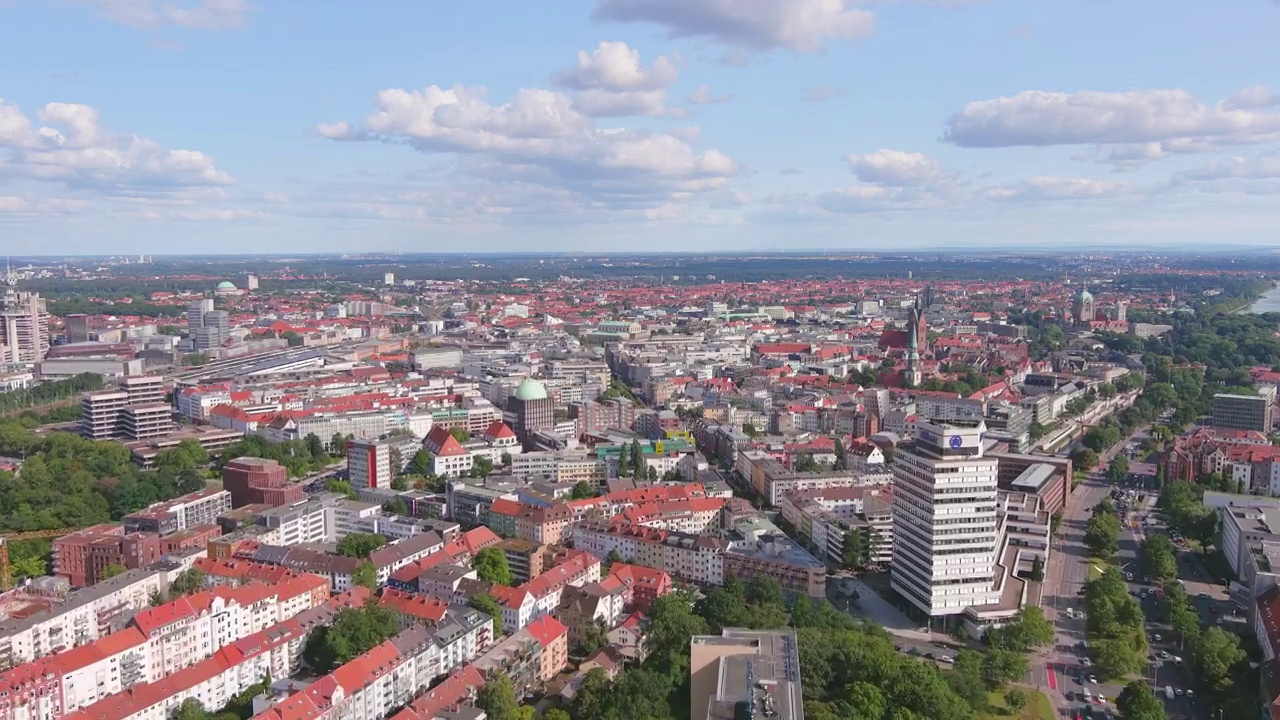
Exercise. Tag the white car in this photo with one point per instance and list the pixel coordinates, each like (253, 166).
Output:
(1178, 692)
(946, 659)
(1156, 637)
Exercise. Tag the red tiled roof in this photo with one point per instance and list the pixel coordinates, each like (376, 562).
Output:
(546, 630)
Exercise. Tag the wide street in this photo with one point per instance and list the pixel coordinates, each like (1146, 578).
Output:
(1062, 671)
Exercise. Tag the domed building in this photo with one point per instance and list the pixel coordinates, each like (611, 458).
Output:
(226, 288)
(532, 411)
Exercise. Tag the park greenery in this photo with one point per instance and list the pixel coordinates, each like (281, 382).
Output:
(353, 632)
(1182, 503)
(1117, 641)
(66, 481)
(1137, 702)
(1159, 558)
(849, 669)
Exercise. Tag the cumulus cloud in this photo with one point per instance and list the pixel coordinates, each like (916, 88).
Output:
(211, 15)
(611, 81)
(1048, 188)
(801, 25)
(72, 148)
(704, 96)
(1128, 128)
(541, 137)
(897, 168)
(871, 198)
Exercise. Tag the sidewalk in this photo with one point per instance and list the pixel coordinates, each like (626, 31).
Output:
(893, 620)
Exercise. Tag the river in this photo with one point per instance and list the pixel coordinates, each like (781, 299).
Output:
(1269, 302)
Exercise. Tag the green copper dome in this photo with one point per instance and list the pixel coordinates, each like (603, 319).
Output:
(225, 285)
(531, 389)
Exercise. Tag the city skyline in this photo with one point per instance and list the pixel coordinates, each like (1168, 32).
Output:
(707, 125)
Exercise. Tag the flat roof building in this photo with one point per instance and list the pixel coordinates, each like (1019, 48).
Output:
(744, 674)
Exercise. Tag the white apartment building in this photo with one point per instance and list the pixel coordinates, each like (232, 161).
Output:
(946, 534)
(86, 615)
(692, 558)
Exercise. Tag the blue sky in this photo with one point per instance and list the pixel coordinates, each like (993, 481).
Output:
(150, 126)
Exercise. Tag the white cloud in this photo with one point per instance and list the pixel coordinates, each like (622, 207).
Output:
(1048, 188)
(823, 93)
(1252, 98)
(1169, 117)
(1262, 167)
(211, 15)
(612, 82)
(541, 137)
(72, 148)
(801, 25)
(704, 96)
(873, 198)
(897, 168)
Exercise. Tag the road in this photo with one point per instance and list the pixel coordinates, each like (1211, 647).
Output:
(1065, 576)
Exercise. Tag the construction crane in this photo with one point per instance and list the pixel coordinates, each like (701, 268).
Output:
(6, 577)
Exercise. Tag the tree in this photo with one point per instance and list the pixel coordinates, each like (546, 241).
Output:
(420, 463)
(498, 698)
(491, 566)
(624, 459)
(353, 632)
(841, 461)
(360, 545)
(506, 461)
(396, 506)
(1028, 629)
(397, 462)
(582, 490)
(342, 487)
(1084, 459)
(1137, 702)
(338, 444)
(856, 551)
(1160, 559)
(1102, 534)
(1215, 653)
(111, 571)
(594, 636)
(460, 434)
(749, 429)
(365, 575)
(638, 464)
(191, 709)
(1037, 569)
(610, 559)
(1118, 470)
(1016, 698)
(187, 582)
(804, 463)
(1001, 667)
(556, 714)
(315, 447)
(482, 466)
(487, 605)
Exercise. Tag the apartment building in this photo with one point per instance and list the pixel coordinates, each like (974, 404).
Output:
(644, 584)
(86, 615)
(824, 517)
(215, 681)
(82, 557)
(691, 558)
(182, 513)
(559, 467)
(772, 479)
(157, 643)
(368, 687)
(460, 632)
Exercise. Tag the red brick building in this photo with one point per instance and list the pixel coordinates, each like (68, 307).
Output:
(257, 480)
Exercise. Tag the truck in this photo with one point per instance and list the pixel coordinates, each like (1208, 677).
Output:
(1168, 691)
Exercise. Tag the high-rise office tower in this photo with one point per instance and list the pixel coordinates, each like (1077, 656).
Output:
(946, 534)
(195, 313)
(24, 323)
(251, 282)
(215, 330)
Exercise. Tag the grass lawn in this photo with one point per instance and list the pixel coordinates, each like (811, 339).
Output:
(1097, 566)
(1038, 707)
